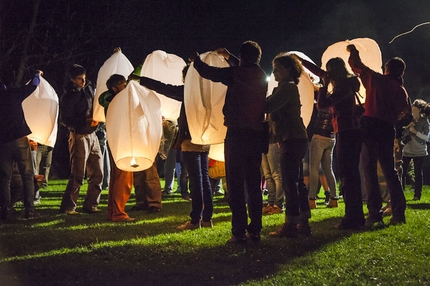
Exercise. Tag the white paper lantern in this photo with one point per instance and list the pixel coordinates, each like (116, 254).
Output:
(217, 152)
(134, 128)
(306, 90)
(166, 68)
(41, 114)
(116, 64)
(370, 55)
(204, 100)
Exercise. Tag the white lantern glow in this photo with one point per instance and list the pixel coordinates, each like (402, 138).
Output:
(134, 128)
(116, 64)
(306, 89)
(370, 55)
(204, 100)
(166, 68)
(41, 114)
(217, 152)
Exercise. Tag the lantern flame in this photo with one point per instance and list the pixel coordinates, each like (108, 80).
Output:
(133, 163)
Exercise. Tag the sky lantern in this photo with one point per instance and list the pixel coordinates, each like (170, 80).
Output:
(370, 55)
(41, 114)
(306, 89)
(204, 100)
(134, 127)
(216, 152)
(166, 68)
(116, 64)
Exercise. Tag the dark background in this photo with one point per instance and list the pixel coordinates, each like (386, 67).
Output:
(53, 34)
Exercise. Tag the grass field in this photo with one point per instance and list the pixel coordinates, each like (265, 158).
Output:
(56, 249)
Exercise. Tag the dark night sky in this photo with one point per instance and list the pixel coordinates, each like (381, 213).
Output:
(306, 26)
(183, 27)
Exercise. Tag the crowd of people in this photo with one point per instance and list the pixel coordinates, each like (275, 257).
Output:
(266, 145)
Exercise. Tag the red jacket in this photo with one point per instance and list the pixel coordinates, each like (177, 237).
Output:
(386, 98)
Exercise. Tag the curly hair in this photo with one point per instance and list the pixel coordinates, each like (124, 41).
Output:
(291, 63)
(423, 105)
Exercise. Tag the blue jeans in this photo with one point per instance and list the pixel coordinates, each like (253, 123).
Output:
(242, 163)
(296, 194)
(18, 151)
(200, 187)
(271, 167)
(321, 153)
(378, 145)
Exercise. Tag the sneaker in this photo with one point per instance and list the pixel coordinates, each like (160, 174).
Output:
(153, 210)
(166, 193)
(374, 224)
(387, 212)
(218, 193)
(416, 198)
(276, 210)
(137, 208)
(186, 197)
(397, 220)
(253, 236)
(237, 239)
(348, 224)
(188, 225)
(31, 215)
(287, 230)
(72, 212)
(267, 209)
(93, 210)
(208, 224)
(304, 229)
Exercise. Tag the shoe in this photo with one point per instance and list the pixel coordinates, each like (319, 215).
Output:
(348, 224)
(166, 193)
(304, 229)
(332, 203)
(137, 208)
(312, 204)
(127, 219)
(208, 224)
(387, 211)
(287, 230)
(218, 194)
(416, 198)
(153, 210)
(186, 197)
(72, 212)
(327, 198)
(31, 215)
(188, 225)
(267, 209)
(253, 236)
(237, 239)
(37, 201)
(93, 210)
(397, 220)
(372, 224)
(276, 210)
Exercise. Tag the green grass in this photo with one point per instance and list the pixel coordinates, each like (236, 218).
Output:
(56, 249)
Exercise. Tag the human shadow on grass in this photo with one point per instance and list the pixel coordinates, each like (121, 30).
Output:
(419, 206)
(153, 264)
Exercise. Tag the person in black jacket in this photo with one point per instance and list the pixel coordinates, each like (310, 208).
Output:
(14, 145)
(76, 110)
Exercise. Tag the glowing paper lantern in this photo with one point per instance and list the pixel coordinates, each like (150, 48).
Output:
(306, 90)
(166, 68)
(41, 114)
(116, 64)
(217, 152)
(370, 55)
(134, 128)
(204, 100)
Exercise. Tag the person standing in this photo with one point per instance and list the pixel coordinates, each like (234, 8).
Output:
(14, 146)
(386, 101)
(415, 137)
(245, 139)
(288, 129)
(76, 110)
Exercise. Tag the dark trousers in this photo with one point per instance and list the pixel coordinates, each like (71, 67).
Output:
(292, 153)
(200, 187)
(18, 151)
(379, 145)
(348, 148)
(147, 188)
(242, 161)
(418, 171)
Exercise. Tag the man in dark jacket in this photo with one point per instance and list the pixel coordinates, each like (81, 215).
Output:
(243, 115)
(14, 146)
(76, 110)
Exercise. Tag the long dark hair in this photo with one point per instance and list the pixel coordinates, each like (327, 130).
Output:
(337, 71)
